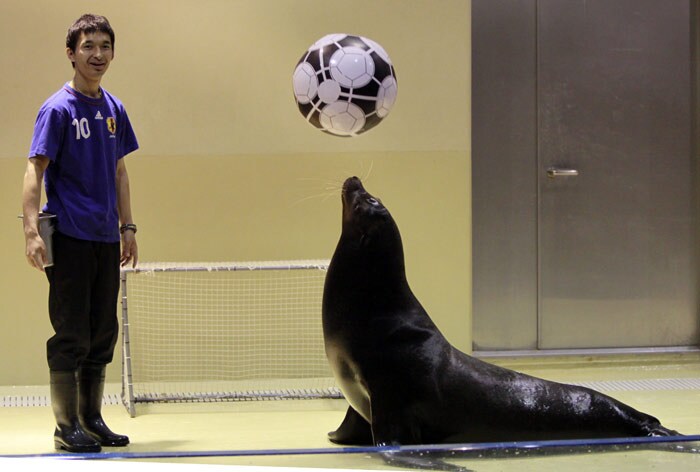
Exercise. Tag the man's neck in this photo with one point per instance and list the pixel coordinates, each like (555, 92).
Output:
(89, 89)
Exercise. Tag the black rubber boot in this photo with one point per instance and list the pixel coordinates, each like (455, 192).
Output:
(69, 435)
(92, 383)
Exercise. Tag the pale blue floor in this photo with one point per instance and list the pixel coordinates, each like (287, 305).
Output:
(292, 434)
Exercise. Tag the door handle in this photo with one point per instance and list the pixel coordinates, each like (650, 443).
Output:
(554, 172)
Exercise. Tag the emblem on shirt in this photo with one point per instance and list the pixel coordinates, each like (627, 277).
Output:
(112, 125)
(98, 116)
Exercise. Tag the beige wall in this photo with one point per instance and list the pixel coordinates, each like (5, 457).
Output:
(228, 169)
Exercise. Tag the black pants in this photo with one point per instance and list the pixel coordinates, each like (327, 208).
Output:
(84, 287)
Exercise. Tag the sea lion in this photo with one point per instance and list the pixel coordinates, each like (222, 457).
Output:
(406, 384)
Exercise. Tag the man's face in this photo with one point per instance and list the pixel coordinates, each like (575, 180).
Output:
(92, 56)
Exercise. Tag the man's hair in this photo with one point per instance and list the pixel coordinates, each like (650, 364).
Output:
(87, 24)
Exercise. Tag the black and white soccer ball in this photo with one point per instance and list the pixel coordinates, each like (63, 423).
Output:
(344, 84)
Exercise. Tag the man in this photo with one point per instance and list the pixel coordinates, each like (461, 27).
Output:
(80, 138)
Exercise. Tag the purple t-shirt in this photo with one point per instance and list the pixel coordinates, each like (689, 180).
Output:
(84, 138)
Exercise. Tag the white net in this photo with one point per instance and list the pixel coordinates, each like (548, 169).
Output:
(224, 331)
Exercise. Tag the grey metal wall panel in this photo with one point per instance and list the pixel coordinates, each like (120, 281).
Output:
(504, 173)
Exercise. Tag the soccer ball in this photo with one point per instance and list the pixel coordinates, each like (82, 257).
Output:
(345, 85)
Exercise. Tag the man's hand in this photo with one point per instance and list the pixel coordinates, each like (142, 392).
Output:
(36, 252)
(130, 250)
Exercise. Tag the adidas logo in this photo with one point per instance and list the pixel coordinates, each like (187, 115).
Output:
(99, 115)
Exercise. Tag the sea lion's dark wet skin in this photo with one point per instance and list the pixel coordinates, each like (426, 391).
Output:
(406, 384)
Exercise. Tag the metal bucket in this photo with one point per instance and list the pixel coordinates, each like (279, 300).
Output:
(46, 228)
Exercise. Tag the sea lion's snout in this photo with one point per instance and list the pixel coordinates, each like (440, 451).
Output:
(351, 188)
(352, 184)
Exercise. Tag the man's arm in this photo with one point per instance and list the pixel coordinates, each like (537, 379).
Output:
(130, 252)
(35, 249)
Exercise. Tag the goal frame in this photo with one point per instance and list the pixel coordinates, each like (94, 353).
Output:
(128, 395)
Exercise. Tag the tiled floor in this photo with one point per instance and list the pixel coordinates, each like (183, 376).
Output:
(292, 433)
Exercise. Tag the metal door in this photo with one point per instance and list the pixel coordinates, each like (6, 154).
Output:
(611, 194)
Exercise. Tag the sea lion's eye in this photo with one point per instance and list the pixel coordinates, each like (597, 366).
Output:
(372, 201)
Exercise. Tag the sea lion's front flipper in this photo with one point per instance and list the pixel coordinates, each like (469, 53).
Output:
(353, 431)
